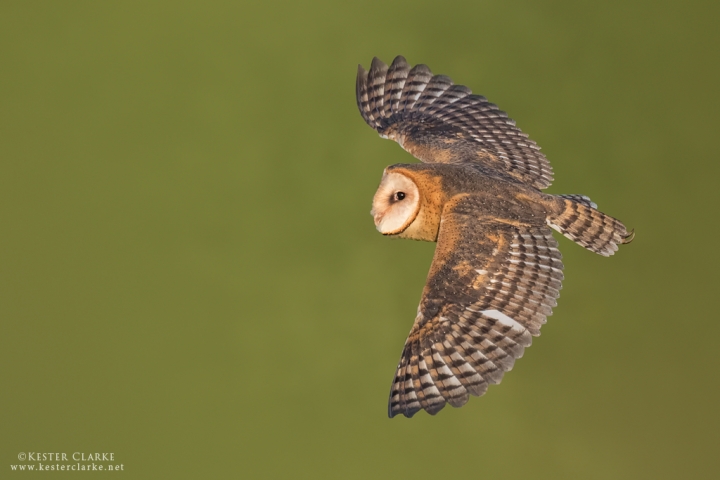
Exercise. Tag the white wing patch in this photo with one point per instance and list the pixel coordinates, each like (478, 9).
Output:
(502, 318)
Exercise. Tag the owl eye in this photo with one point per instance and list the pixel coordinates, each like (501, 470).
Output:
(399, 196)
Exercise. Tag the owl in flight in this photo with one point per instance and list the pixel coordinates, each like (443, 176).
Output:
(496, 272)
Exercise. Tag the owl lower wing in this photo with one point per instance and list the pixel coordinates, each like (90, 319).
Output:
(491, 285)
(439, 122)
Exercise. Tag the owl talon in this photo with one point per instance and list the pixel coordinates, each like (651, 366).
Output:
(629, 237)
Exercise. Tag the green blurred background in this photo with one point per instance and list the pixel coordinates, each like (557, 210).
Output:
(190, 277)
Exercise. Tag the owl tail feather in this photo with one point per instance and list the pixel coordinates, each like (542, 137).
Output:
(581, 222)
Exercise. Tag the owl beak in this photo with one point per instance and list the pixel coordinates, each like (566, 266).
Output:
(377, 217)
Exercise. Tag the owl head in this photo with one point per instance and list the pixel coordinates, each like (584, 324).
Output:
(406, 204)
(396, 203)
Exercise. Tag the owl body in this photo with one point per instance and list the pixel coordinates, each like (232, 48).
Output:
(497, 270)
(500, 198)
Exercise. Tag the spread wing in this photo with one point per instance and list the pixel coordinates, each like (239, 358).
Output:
(439, 122)
(491, 285)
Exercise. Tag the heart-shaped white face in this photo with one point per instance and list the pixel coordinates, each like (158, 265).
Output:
(396, 203)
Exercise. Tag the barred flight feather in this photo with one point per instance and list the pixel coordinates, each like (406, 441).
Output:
(590, 228)
(438, 121)
(470, 342)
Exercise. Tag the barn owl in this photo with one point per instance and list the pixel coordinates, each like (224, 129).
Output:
(496, 271)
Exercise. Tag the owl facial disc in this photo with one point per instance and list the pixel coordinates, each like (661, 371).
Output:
(396, 203)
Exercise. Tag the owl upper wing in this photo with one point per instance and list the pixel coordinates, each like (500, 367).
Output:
(439, 122)
(491, 285)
